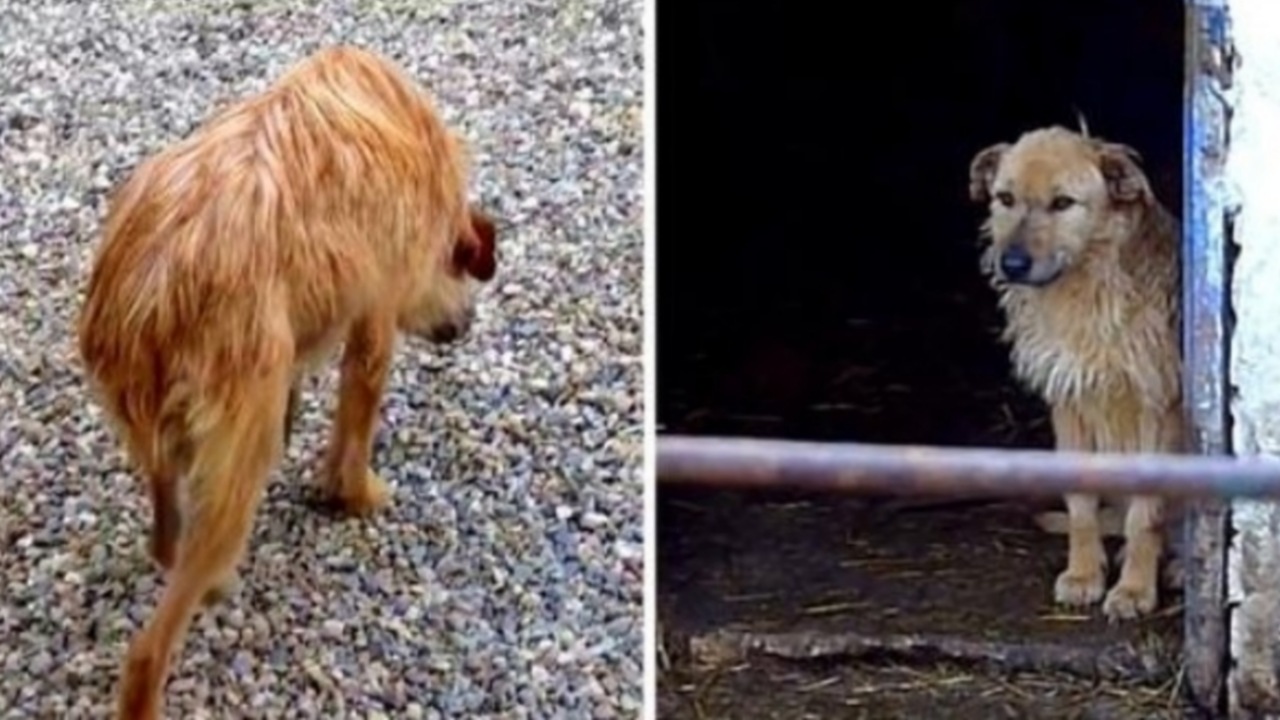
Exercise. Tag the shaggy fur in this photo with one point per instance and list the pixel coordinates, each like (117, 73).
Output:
(1086, 263)
(332, 208)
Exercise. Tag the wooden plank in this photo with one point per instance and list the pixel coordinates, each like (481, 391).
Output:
(1206, 224)
(1129, 663)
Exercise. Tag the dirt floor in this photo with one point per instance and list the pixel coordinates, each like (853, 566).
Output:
(819, 607)
(788, 606)
(769, 689)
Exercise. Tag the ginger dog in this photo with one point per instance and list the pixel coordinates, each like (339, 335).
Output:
(331, 208)
(1086, 263)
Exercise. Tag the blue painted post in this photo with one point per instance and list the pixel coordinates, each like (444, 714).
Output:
(1205, 285)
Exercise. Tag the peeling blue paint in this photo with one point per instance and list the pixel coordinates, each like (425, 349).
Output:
(1214, 17)
(1206, 219)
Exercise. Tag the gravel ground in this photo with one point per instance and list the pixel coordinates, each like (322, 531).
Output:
(506, 580)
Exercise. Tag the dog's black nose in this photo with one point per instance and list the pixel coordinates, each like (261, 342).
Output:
(445, 334)
(1015, 263)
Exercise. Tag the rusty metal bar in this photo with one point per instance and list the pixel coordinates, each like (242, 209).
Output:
(924, 470)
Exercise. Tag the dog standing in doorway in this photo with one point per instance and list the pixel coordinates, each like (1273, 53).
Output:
(330, 209)
(1085, 260)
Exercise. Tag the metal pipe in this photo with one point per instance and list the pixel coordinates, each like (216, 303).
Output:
(925, 470)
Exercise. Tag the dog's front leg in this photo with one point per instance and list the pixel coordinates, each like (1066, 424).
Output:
(1084, 579)
(1135, 593)
(350, 483)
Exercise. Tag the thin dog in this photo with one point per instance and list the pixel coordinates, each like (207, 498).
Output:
(1085, 260)
(329, 209)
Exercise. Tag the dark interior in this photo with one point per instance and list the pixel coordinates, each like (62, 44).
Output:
(818, 279)
(817, 250)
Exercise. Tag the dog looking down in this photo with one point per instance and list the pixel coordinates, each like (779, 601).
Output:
(329, 209)
(1085, 260)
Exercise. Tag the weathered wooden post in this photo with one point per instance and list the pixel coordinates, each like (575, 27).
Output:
(1207, 227)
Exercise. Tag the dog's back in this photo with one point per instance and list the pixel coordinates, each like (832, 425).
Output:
(250, 244)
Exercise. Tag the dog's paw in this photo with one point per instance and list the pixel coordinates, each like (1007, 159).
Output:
(1075, 589)
(1128, 602)
(364, 498)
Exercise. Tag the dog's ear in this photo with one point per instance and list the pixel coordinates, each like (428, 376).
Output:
(1126, 182)
(475, 252)
(982, 171)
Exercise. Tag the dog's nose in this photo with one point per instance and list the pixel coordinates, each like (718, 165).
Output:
(454, 329)
(445, 334)
(1015, 262)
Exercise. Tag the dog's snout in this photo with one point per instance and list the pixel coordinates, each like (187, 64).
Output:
(445, 333)
(1015, 262)
(450, 331)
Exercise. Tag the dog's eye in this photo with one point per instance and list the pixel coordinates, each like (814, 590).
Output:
(1005, 198)
(1060, 203)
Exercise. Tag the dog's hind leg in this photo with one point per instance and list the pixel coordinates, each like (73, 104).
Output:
(163, 471)
(150, 452)
(350, 482)
(224, 487)
(291, 413)
(166, 519)
(1084, 579)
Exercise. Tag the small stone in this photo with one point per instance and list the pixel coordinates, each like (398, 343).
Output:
(593, 520)
(333, 628)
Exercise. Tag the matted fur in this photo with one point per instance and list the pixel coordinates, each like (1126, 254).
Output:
(1096, 332)
(331, 208)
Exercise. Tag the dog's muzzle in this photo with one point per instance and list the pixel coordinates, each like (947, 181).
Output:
(1018, 267)
(453, 330)
(1016, 263)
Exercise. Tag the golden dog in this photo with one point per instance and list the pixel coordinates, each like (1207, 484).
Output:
(1086, 263)
(331, 208)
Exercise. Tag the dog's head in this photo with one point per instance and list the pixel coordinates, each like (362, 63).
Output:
(446, 309)
(1051, 195)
